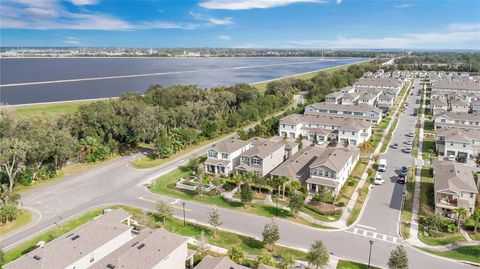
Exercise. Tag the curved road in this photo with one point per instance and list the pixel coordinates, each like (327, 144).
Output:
(116, 182)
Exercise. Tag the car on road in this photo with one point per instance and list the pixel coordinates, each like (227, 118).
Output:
(401, 179)
(462, 159)
(407, 150)
(410, 134)
(408, 142)
(378, 180)
(382, 165)
(451, 158)
(395, 146)
(403, 171)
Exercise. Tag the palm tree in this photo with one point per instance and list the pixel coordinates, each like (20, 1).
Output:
(237, 179)
(461, 215)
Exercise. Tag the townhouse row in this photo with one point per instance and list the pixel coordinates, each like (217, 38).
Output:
(455, 96)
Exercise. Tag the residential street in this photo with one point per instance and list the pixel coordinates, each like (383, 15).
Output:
(117, 183)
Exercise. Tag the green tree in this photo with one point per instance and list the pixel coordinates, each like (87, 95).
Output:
(8, 212)
(287, 261)
(214, 220)
(296, 202)
(296, 185)
(13, 156)
(398, 258)
(164, 209)
(318, 255)
(246, 194)
(270, 234)
(476, 218)
(265, 259)
(461, 214)
(163, 145)
(236, 254)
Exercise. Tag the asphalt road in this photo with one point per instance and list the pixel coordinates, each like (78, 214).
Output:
(117, 183)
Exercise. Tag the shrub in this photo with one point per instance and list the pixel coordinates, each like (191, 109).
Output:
(8, 212)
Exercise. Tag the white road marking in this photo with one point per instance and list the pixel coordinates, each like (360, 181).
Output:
(365, 226)
(153, 201)
(374, 235)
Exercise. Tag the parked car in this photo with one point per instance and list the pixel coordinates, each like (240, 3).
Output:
(407, 150)
(382, 165)
(401, 179)
(408, 142)
(462, 159)
(403, 171)
(378, 180)
(451, 158)
(410, 134)
(395, 146)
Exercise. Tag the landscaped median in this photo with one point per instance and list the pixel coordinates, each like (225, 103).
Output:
(165, 185)
(408, 204)
(24, 217)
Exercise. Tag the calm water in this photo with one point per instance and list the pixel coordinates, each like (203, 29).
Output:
(206, 72)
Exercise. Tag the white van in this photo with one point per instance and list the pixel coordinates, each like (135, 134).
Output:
(382, 165)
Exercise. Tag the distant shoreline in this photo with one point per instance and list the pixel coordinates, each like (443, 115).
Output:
(165, 57)
(253, 84)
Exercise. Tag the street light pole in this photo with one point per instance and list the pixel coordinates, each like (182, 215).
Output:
(370, 253)
(183, 204)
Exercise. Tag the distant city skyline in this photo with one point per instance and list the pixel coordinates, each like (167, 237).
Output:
(281, 24)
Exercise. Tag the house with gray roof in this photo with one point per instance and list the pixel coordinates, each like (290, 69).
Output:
(458, 142)
(450, 119)
(460, 86)
(224, 156)
(262, 157)
(459, 105)
(362, 111)
(454, 187)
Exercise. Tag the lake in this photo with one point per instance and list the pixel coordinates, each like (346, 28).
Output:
(36, 80)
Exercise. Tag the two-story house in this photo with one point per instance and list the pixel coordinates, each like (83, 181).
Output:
(454, 188)
(331, 169)
(450, 119)
(438, 105)
(362, 111)
(223, 157)
(262, 158)
(459, 105)
(458, 142)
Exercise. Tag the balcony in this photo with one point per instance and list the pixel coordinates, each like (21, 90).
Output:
(447, 201)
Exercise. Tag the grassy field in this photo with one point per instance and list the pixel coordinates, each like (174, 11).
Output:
(165, 186)
(347, 191)
(54, 109)
(428, 148)
(343, 264)
(23, 219)
(439, 241)
(426, 192)
(461, 253)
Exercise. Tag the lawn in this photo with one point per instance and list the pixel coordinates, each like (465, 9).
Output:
(343, 264)
(461, 253)
(388, 136)
(347, 190)
(54, 109)
(426, 192)
(23, 219)
(428, 126)
(359, 203)
(408, 205)
(428, 148)
(375, 139)
(165, 186)
(439, 241)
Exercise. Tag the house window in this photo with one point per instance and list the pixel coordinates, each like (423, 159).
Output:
(212, 154)
(256, 161)
(224, 156)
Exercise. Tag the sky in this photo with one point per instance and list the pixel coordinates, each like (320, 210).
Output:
(302, 24)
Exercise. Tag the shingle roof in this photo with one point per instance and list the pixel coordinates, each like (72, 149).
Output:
(459, 115)
(69, 248)
(453, 176)
(358, 108)
(462, 84)
(459, 135)
(229, 145)
(298, 163)
(262, 148)
(156, 245)
(334, 158)
(223, 262)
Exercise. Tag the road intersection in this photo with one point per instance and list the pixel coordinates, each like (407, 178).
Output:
(116, 182)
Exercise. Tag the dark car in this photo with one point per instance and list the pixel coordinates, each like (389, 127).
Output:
(403, 171)
(462, 159)
(401, 179)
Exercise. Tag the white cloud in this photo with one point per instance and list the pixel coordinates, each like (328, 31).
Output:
(447, 39)
(464, 26)
(404, 6)
(84, 2)
(338, 2)
(251, 4)
(225, 37)
(212, 20)
(72, 41)
(50, 14)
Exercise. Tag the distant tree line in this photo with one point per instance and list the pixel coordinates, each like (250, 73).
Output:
(440, 61)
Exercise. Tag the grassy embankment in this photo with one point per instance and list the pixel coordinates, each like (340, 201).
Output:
(165, 185)
(223, 239)
(343, 264)
(408, 204)
(23, 219)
